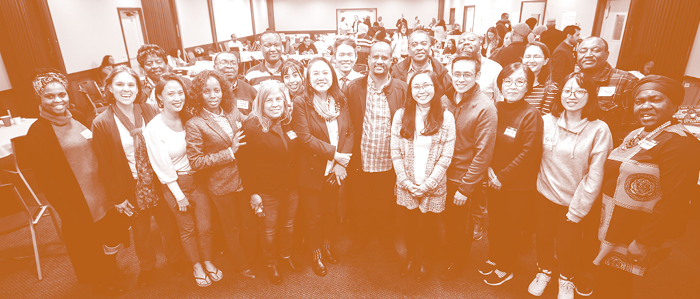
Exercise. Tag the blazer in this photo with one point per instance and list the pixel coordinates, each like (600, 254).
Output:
(208, 151)
(315, 147)
(356, 93)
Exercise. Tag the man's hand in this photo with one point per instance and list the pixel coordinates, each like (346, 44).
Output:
(460, 199)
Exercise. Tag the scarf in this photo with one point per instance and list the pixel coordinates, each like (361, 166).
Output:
(323, 108)
(145, 189)
(58, 120)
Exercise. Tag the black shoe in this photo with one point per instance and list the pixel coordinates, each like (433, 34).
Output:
(273, 275)
(319, 268)
(107, 289)
(422, 273)
(144, 278)
(291, 264)
(328, 256)
(407, 268)
(451, 272)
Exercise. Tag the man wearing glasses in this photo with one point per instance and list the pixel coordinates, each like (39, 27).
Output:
(419, 59)
(243, 93)
(271, 66)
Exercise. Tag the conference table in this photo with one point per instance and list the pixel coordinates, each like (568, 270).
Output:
(19, 128)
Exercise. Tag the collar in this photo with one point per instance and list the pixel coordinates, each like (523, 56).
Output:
(370, 83)
(468, 95)
(604, 74)
(412, 69)
(279, 69)
(351, 76)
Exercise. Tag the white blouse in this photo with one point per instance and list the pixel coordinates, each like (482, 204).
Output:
(421, 149)
(333, 136)
(167, 151)
(128, 145)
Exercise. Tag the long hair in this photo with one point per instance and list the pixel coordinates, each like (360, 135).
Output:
(495, 39)
(546, 69)
(291, 66)
(195, 97)
(334, 91)
(435, 117)
(158, 90)
(592, 110)
(109, 96)
(258, 112)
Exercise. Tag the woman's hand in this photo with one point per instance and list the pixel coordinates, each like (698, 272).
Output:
(255, 202)
(637, 252)
(340, 173)
(342, 159)
(125, 208)
(236, 142)
(183, 204)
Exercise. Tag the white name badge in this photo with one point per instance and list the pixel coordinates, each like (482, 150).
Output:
(606, 91)
(548, 140)
(510, 132)
(86, 134)
(242, 104)
(647, 144)
(291, 135)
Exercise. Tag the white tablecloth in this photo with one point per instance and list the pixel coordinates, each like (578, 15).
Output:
(7, 133)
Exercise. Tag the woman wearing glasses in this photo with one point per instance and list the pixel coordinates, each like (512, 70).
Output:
(512, 176)
(575, 146)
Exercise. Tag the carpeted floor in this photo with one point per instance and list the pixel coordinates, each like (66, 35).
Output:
(367, 276)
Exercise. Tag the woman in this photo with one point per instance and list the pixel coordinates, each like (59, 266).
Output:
(657, 167)
(105, 68)
(269, 171)
(165, 140)
(491, 41)
(440, 32)
(575, 146)
(422, 143)
(65, 168)
(175, 59)
(536, 57)
(293, 75)
(213, 137)
(127, 174)
(321, 120)
(450, 48)
(399, 43)
(512, 176)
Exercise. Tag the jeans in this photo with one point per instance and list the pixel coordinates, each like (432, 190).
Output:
(280, 210)
(459, 225)
(226, 207)
(421, 233)
(375, 203)
(141, 225)
(321, 213)
(195, 224)
(507, 212)
(551, 225)
(479, 208)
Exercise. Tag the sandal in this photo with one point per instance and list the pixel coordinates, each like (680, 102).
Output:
(202, 282)
(215, 276)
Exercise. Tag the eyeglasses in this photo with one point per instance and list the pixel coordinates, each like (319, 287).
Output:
(580, 93)
(424, 87)
(225, 63)
(520, 82)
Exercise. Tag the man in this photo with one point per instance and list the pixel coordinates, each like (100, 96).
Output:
(307, 47)
(355, 24)
(514, 52)
(344, 60)
(563, 60)
(456, 30)
(469, 45)
(234, 44)
(243, 93)
(153, 61)
(379, 20)
(419, 59)
(503, 27)
(401, 21)
(552, 37)
(372, 101)
(476, 122)
(270, 68)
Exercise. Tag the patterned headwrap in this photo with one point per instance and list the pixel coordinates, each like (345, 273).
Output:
(671, 88)
(43, 79)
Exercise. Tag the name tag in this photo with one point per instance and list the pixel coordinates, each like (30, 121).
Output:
(606, 91)
(87, 134)
(510, 132)
(242, 104)
(548, 140)
(291, 135)
(238, 125)
(647, 144)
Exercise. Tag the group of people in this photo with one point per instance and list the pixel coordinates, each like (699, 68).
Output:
(594, 164)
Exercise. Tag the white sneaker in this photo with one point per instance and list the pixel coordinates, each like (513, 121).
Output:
(566, 289)
(540, 282)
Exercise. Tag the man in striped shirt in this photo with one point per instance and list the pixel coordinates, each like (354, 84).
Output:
(271, 66)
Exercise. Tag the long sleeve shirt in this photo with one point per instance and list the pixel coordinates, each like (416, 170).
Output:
(167, 151)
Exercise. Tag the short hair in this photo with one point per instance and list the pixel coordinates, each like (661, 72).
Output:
(258, 111)
(379, 43)
(605, 43)
(504, 14)
(149, 49)
(110, 78)
(531, 22)
(234, 53)
(571, 30)
(344, 41)
(476, 60)
(591, 110)
(158, 90)
(512, 68)
(416, 32)
(270, 33)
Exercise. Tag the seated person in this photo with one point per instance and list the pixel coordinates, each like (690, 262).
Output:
(307, 47)
(235, 45)
(175, 59)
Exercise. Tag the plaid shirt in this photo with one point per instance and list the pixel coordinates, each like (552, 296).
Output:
(614, 87)
(412, 70)
(376, 130)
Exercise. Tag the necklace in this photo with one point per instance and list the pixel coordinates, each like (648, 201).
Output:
(630, 143)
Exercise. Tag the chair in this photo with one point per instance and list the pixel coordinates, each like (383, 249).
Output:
(19, 149)
(15, 215)
(92, 92)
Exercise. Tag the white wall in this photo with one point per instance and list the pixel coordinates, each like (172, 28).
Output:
(295, 15)
(231, 16)
(260, 13)
(4, 79)
(693, 68)
(195, 28)
(87, 30)
(585, 13)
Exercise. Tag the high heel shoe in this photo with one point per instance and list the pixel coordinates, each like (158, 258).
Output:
(273, 275)
(291, 264)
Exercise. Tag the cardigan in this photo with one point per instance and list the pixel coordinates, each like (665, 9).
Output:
(314, 143)
(114, 168)
(208, 150)
(439, 157)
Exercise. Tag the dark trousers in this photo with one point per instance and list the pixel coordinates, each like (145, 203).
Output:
(421, 233)
(321, 213)
(479, 207)
(375, 203)
(459, 225)
(141, 225)
(277, 227)
(551, 225)
(613, 283)
(248, 224)
(589, 245)
(195, 224)
(507, 211)
(226, 205)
